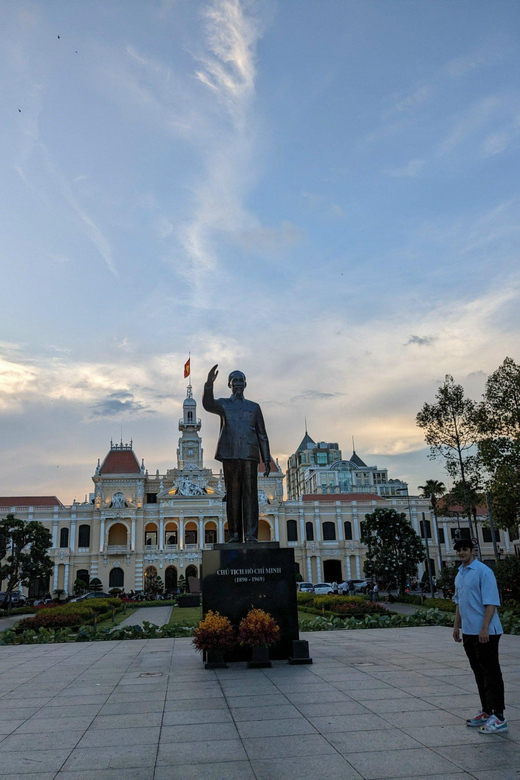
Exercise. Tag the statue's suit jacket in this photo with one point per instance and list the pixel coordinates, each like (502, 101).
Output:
(242, 429)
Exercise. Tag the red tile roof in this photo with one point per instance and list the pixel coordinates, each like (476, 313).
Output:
(342, 497)
(120, 462)
(30, 501)
(457, 509)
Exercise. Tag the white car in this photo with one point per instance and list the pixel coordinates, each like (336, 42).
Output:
(306, 587)
(323, 588)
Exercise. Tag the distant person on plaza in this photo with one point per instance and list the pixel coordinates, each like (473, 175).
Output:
(375, 592)
(351, 588)
(476, 597)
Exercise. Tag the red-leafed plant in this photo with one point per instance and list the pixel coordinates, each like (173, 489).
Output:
(215, 632)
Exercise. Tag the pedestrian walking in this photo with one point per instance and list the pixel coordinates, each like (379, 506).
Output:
(375, 592)
(476, 597)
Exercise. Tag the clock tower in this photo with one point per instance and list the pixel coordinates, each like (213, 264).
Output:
(189, 451)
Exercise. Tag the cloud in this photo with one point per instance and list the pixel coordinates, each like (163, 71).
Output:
(500, 140)
(121, 403)
(410, 102)
(412, 169)
(472, 120)
(313, 395)
(421, 341)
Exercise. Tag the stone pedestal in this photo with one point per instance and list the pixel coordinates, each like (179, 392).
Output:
(236, 578)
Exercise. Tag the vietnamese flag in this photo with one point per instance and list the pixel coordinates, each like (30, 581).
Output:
(187, 368)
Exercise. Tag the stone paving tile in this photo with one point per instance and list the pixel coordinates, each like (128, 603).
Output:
(379, 693)
(16, 713)
(264, 713)
(113, 757)
(272, 700)
(349, 707)
(24, 776)
(275, 728)
(310, 698)
(330, 767)
(130, 721)
(87, 711)
(63, 701)
(285, 747)
(397, 705)
(32, 762)
(58, 740)
(172, 705)
(54, 724)
(437, 736)
(400, 763)
(205, 752)
(143, 736)
(329, 724)
(496, 774)
(369, 741)
(196, 717)
(222, 770)
(132, 708)
(489, 755)
(422, 718)
(143, 773)
(209, 732)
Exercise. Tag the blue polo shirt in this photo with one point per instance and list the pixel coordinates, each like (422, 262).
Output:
(476, 587)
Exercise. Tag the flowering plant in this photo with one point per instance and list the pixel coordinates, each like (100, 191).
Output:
(258, 629)
(215, 632)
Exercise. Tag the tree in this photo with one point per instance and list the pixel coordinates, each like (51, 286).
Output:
(23, 553)
(446, 580)
(433, 489)
(498, 419)
(508, 577)
(154, 585)
(452, 432)
(393, 547)
(79, 587)
(96, 586)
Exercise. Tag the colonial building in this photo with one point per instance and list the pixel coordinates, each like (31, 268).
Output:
(135, 524)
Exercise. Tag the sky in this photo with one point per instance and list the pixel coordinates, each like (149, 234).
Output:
(323, 194)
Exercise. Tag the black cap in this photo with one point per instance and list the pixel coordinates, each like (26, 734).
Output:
(460, 543)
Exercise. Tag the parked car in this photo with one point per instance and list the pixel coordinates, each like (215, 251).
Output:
(323, 588)
(306, 587)
(17, 599)
(361, 586)
(92, 595)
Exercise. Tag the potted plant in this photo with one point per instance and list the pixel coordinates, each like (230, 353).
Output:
(258, 630)
(213, 636)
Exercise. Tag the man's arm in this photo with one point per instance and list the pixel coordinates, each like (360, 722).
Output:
(208, 400)
(456, 625)
(263, 441)
(489, 611)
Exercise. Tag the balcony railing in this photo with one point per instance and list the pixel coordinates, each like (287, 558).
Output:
(171, 547)
(117, 549)
(191, 546)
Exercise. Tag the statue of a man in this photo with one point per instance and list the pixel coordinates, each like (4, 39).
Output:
(242, 440)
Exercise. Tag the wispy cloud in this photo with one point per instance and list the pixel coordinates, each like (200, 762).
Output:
(119, 404)
(421, 341)
(411, 169)
(471, 120)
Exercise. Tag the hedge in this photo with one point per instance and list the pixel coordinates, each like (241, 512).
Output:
(72, 614)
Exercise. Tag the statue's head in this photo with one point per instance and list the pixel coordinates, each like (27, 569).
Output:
(237, 382)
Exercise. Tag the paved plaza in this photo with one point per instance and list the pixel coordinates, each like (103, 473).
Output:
(375, 704)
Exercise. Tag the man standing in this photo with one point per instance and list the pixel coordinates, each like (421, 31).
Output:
(476, 597)
(242, 440)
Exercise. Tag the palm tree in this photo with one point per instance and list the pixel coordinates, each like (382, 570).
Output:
(433, 489)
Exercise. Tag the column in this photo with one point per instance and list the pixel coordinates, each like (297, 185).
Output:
(181, 533)
(66, 580)
(507, 541)
(54, 534)
(358, 568)
(318, 568)
(309, 568)
(55, 578)
(349, 570)
(317, 524)
(72, 539)
(201, 532)
(446, 537)
(355, 523)
(303, 535)
(132, 535)
(161, 533)
(339, 524)
(221, 530)
(276, 527)
(102, 535)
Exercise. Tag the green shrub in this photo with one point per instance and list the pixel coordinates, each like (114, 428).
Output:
(17, 611)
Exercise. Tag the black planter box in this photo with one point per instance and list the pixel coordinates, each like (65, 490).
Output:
(235, 579)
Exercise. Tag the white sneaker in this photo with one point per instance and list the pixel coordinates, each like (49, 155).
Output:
(493, 726)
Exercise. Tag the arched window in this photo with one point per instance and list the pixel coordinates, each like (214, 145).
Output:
(116, 578)
(329, 532)
(292, 531)
(348, 530)
(83, 575)
(190, 416)
(84, 536)
(309, 532)
(64, 537)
